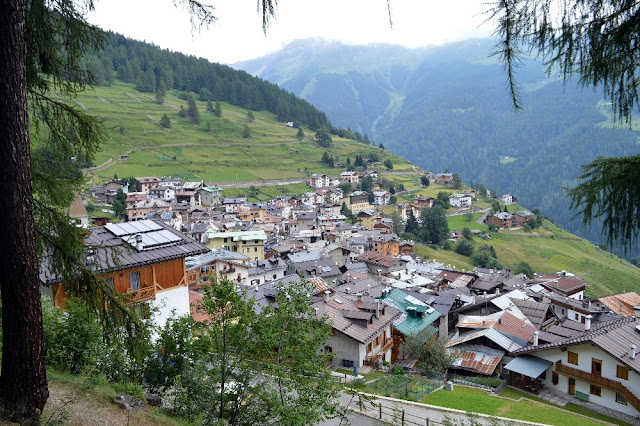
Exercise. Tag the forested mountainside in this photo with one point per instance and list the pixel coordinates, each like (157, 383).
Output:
(449, 107)
(151, 69)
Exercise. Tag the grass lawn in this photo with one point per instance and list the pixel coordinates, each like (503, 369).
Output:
(478, 401)
(516, 394)
(458, 223)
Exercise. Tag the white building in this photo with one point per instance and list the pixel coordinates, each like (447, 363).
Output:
(460, 201)
(600, 365)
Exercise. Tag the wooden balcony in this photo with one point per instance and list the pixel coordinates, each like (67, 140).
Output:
(371, 359)
(141, 295)
(612, 385)
(192, 276)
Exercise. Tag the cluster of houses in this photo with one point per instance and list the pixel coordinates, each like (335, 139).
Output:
(539, 332)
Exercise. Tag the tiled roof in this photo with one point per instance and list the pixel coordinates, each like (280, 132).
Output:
(377, 259)
(614, 337)
(622, 303)
(536, 312)
(362, 331)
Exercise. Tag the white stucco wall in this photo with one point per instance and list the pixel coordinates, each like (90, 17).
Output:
(586, 353)
(172, 302)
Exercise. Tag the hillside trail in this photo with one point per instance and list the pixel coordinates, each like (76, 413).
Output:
(69, 405)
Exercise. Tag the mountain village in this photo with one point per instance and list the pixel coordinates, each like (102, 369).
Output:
(540, 334)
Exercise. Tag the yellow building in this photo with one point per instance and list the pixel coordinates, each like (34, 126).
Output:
(249, 243)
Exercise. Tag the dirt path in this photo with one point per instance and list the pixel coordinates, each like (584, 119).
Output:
(67, 405)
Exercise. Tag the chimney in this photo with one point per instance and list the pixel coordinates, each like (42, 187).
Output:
(326, 296)
(633, 351)
(497, 290)
(359, 296)
(378, 309)
(636, 311)
(139, 242)
(587, 322)
(536, 335)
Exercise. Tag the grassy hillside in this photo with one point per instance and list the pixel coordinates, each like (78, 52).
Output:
(547, 250)
(193, 152)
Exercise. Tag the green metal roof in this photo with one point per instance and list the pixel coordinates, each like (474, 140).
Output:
(412, 323)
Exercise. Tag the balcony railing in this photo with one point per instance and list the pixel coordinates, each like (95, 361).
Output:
(599, 381)
(371, 359)
(192, 276)
(141, 295)
(228, 271)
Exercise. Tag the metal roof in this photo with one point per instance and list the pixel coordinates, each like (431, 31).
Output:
(112, 253)
(527, 365)
(478, 358)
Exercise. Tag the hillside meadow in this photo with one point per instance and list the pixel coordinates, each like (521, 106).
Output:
(549, 249)
(213, 150)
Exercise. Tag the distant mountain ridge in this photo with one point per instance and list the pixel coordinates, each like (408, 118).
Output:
(449, 107)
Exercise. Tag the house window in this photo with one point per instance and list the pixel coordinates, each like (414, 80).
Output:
(554, 378)
(595, 390)
(134, 280)
(369, 348)
(620, 399)
(225, 240)
(572, 358)
(577, 317)
(596, 367)
(255, 249)
(377, 341)
(109, 281)
(622, 372)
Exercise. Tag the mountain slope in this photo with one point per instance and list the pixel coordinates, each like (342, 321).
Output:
(449, 107)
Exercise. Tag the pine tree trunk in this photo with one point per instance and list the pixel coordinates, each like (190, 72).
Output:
(23, 382)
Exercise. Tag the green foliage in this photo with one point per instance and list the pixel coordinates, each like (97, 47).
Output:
(457, 181)
(468, 217)
(393, 199)
(466, 233)
(165, 121)
(398, 226)
(217, 111)
(250, 116)
(524, 268)
(73, 338)
(300, 134)
(175, 351)
(327, 160)
(192, 110)
(239, 377)
(388, 164)
(485, 257)
(246, 132)
(609, 188)
(346, 188)
(366, 184)
(323, 138)
(119, 203)
(75, 342)
(465, 248)
(431, 353)
(424, 180)
(433, 224)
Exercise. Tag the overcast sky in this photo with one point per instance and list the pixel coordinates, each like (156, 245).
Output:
(237, 35)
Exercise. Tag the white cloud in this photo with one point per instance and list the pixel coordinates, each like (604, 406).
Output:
(237, 35)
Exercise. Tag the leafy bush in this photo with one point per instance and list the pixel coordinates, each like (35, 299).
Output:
(465, 248)
(73, 338)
